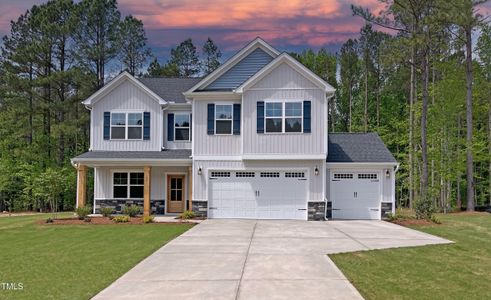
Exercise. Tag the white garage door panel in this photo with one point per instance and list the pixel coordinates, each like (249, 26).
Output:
(355, 197)
(258, 197)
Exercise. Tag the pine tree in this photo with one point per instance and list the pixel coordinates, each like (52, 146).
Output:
(132, 44)
(212, 56)
(185, 57)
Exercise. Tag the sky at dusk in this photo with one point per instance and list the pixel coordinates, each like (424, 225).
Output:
(291, 25)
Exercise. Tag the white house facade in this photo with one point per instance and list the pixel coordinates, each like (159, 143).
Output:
(249, 140)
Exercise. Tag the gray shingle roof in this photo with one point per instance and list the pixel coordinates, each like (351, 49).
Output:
(357, 147)
(136, 155)
(169, 89)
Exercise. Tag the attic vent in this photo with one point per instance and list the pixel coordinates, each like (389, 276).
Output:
(343, 176)
(245, 174)
(270, 174)
(367, 176)
(220, 174)
(294, 174)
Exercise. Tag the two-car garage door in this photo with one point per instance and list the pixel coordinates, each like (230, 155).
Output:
(268, 194)
(355, 195)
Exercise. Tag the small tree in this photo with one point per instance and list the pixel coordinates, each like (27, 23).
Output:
(212, 56)
(49, 185)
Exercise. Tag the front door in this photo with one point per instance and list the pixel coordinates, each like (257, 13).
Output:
(175, 193)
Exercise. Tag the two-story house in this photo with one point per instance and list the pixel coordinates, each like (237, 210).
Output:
(250, 140)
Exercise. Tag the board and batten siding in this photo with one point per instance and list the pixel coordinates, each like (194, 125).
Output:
(126, 97)
(316, 183)
(103, 180)
(285, 83)
(175, 144)
(212, 145)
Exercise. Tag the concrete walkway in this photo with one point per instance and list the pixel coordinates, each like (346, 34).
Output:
(249, 259)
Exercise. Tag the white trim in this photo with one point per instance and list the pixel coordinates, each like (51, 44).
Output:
(253, 45)
(95, 186)
(105, 162)
(284, 156)
(76, 197)
(215, 157)
(359, 164)
(284, 57)
(98, 95)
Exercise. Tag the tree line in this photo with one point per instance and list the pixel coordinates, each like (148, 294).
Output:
(425, 88)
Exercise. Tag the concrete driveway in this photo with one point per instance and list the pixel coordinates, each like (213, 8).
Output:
(255, 259)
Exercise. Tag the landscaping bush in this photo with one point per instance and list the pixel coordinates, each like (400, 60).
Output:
(186, 215)
(83, 212)
(148, 219)
(435, 219)
(49, 220)
(424, 209)
(106, 211)
(121, 219)
(132, 210)
(87, 219)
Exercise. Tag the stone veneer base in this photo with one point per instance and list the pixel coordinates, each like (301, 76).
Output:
(157, 207)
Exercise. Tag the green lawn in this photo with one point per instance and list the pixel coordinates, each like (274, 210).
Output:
(72, 262)
(455, 271)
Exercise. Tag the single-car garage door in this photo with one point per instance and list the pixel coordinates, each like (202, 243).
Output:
(258, 194)
(355, 195)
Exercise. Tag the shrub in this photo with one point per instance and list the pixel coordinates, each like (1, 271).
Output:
(83, 212)
(132, 210)
(435, 219)
(106, 211)
(49, 220)
(148, 219)
(186, 215)
(121, 219)
(424, 209)
(87, 219)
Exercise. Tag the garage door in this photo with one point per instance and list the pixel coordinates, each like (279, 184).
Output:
(355, 195)
(258, 194)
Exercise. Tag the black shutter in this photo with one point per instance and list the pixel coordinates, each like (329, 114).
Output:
(146, 125)
(260, 116)
(107, 125)
(170, 127)
(236, 119)
(306, 116)
(211, 118)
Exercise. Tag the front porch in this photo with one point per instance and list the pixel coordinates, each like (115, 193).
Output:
(160, 183)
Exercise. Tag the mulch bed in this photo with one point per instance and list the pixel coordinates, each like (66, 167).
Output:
(104, 221)
(410, 222)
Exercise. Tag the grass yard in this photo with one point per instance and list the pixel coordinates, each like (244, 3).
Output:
(456, 271)
(70, 261)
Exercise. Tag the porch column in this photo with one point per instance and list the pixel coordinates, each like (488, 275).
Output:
(146, 190)
(81, 185)
(190, 188)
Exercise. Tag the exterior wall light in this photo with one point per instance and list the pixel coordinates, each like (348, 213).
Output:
(200, 171)
(387, 173)
(316, 171)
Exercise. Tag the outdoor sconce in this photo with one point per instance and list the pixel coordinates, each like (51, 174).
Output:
(387, 173)
(199, 171)
(316, 171)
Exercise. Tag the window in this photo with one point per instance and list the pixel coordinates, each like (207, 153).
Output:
(293, 117)
(245, 174)
(270, 174)
(294, 174)
(283, 117)
(182, 127)
(126, 126)
(124, 188)
(220, 174)
(367, 176)
(343, 176)
(223, 119)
